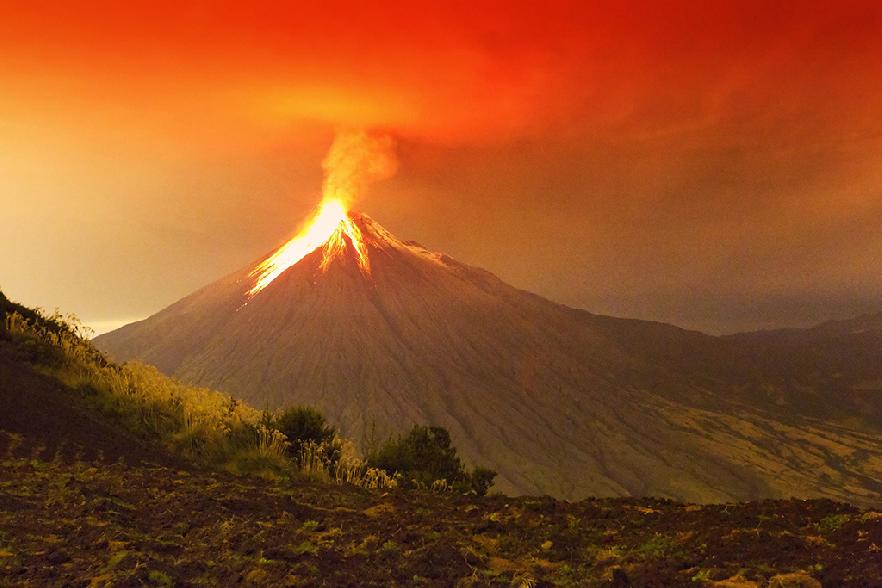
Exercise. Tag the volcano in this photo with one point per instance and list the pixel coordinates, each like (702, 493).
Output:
(380, 334)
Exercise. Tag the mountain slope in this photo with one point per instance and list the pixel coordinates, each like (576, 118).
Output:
(40, 416)
(842, 357)
(131, 513)
(558, 400)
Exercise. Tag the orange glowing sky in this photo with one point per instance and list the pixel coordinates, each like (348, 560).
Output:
(720, 168)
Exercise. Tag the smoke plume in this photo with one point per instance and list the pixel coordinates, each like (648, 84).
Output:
(355, 160)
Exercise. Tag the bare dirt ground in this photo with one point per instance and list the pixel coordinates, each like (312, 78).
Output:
(101, 523)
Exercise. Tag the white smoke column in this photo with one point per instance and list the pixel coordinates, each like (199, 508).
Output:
(356, 159)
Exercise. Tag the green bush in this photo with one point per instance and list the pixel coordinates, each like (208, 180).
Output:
(424, 456)
(305, 426)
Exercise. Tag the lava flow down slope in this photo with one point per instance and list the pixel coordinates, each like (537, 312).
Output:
(380, 334)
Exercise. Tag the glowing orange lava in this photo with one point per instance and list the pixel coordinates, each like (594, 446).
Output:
(328, 230)
(355, 160)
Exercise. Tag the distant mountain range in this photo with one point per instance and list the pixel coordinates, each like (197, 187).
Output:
(558, 400)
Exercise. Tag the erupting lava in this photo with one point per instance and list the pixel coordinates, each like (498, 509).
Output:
(328, 230)
(354, 160)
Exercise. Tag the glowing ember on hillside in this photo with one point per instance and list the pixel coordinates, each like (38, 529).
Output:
(354, 161)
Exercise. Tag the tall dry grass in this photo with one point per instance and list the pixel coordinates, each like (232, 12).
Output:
(202, 425)
(348, 468)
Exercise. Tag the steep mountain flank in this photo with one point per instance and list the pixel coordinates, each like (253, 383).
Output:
(558, 400)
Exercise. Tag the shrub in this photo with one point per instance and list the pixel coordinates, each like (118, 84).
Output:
(425, 456)
(482, 479)
(307, 429)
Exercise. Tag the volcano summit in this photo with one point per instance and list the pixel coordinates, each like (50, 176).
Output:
(380, 333)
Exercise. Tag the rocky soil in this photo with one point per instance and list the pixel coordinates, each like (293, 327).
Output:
(100, 523)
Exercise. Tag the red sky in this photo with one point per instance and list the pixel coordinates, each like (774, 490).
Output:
(716, 165)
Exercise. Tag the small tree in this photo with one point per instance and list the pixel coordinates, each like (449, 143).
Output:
(425, 455)
(303, 425)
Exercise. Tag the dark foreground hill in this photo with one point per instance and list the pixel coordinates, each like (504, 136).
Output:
(103, 524)
(45, 418)
(557, 400)
(57, 423)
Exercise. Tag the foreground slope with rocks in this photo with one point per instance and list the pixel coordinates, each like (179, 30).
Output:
(98, 523)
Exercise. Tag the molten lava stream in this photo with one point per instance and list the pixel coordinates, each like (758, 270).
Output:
(327, 230)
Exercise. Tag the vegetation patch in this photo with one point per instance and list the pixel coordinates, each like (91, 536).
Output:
(425, 458)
